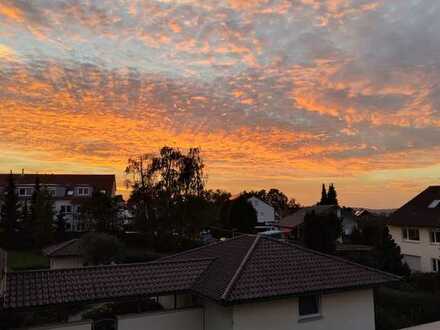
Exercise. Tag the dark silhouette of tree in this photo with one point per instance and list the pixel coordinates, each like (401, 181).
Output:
(60, 227)
(165, 189)
(323, 196)
(322, 231)
(101, 248)
(42, 216)
(242, 215)
(10, 211)
(332, 195)
(101, 213)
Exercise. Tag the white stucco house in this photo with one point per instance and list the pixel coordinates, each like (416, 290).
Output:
(245, 283)
(415, 227)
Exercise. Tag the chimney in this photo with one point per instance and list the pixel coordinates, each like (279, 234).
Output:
(22, 172)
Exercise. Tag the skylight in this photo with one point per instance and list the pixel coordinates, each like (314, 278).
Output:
(434, 204)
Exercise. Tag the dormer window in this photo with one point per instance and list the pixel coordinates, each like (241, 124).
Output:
(83, 191)
(69, 192)
(434, 204)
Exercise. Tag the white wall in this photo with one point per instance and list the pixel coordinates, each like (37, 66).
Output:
(427, 326)
(341, 311)
(83, 325)
(66, 262)
(183, 319)
(217, 317)
(424, 248)
(265, 212)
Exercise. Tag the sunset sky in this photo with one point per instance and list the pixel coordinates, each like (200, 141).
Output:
(283, 93)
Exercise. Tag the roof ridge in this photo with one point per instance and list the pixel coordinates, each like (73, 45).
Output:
(240, 268)
(204, 246)
(155, 262)
(59, 246)
(334, 257)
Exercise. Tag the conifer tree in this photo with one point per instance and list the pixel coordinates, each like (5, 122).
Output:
(332, 195)
(42, 214)
(10, 210)
(323, 196)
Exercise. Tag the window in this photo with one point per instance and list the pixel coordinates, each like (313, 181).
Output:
(25, 192)
(410, 234)
(309, 306)
(434, 204)
(69, 192)
(436, 265)
(66, 209)
(52, 191)
(435, 236)
(83, 191)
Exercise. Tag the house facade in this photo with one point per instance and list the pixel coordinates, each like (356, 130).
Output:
(65, 255)
(68, 191)
(245, 283)
(415, 227)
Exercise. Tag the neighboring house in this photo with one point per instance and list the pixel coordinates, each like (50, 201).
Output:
(65, 255)
(264, 211)
(245, 283)
(415, 227)
(68, 191)
(292, 224)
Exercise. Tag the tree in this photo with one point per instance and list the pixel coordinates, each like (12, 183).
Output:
(60, 225)
(323, 196)
(100, 248)
(322, 231)
(163, 187)
(100, 213)
(10, 209)
(332, 195)
(42, 215)
(242, 215)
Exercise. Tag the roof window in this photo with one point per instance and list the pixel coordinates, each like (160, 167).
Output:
(434, 204)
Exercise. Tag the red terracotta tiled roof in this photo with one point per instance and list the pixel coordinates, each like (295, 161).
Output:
(48, 287)
(417, 211)
(258, 267)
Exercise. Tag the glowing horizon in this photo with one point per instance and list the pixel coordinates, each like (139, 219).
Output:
(276, 93)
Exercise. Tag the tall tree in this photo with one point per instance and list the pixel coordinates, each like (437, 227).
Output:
(332, 195)
(323, 196)
(42, 216)
(242, 215)
(322, 231)
(101, 213)
(10, 209)
(60, 227)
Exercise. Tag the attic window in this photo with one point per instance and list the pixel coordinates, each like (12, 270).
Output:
(434, 204)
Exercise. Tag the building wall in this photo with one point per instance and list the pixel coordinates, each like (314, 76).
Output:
(183, 319)
(342, 311)
(66, 262)
(83, 325)
(217, 317)
(265, 212)
(423, 248)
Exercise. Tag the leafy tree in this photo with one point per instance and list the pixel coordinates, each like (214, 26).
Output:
(242, 215)
(332, 195)
(42, 214)
(10, 209)
(323, 196)
(60, 225)
(101, 212)
(163, 187)
(100, 248)
(322, 231)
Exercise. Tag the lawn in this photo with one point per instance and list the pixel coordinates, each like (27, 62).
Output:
(26, 260)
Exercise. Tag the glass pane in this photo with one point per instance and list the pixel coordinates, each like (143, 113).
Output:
(308, 305)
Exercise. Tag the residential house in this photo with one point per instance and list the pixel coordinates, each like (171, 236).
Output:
(245, 283)
(291, 224)
(65, 255)
(415, 227)
(68, 191)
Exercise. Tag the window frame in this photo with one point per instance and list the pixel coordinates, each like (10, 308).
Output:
(435, 265)
(406, 235)
(83, 191)
(433, 239)
(318, 314)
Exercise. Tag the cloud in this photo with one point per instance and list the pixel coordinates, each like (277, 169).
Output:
(293, 93)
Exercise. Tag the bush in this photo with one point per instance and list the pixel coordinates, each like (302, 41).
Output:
(99, 248)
